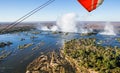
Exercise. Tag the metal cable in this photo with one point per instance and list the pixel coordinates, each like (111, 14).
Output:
(26, 16)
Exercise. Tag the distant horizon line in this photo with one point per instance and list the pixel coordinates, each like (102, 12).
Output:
(54, 21)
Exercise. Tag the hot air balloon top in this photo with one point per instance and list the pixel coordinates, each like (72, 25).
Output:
(90, 5)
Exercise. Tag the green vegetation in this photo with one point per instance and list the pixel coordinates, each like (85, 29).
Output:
(36, 32)
(88, 34)
(22, 47)
(18, 29)
(2, 51)
(92, 56)
(3, 44)
(118, 39)
(5, 55)
(54, 32)
(33, 37)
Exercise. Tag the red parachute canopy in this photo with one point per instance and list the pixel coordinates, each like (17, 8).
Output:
(90, 5)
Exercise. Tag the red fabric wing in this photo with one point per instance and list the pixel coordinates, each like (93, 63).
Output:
(88, 4)
(95, 4)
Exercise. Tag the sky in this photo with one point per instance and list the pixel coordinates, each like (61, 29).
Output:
(11, 10)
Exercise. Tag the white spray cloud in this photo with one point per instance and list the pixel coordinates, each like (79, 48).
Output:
(108, 29)
(82, 29)
(54, 28)
(67, 22)
(45, 28)
(40, 26)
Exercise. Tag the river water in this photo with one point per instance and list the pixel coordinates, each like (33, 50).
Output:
(18, 60)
